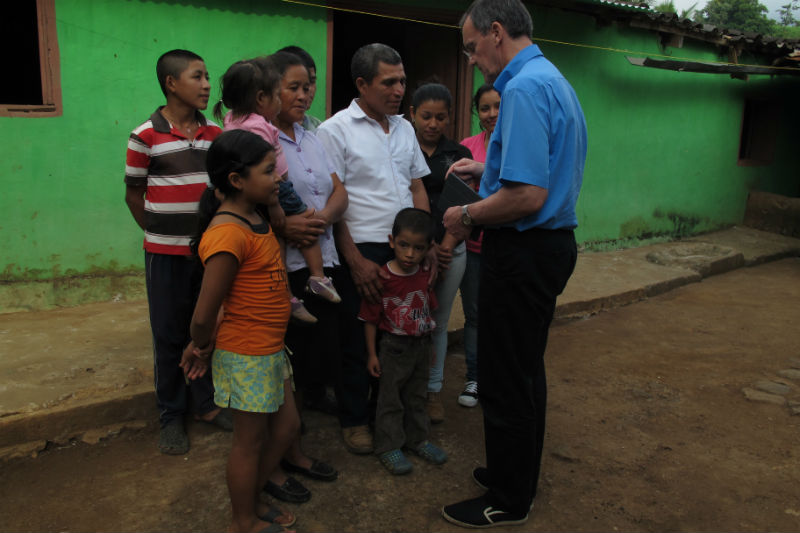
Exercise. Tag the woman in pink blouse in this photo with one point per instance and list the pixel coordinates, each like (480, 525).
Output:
(487, 106)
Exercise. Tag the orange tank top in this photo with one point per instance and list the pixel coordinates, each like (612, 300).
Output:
(257, 307)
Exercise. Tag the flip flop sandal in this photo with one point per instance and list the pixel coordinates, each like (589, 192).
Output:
(273, 528)
(275, 513)
(223, 420)
(319, 470)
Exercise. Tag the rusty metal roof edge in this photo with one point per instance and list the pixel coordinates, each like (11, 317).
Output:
(754, 42)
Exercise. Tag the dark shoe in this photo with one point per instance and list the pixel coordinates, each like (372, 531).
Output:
(469, 396)
(481, 477)
(223, 420)
(291, 491)
(479, 513)
(319, 470)
(173, 439)
(324, 404)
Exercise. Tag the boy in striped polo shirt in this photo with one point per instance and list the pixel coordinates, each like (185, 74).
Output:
(165, 175)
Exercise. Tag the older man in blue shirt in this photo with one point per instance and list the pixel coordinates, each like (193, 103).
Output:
(530, 184)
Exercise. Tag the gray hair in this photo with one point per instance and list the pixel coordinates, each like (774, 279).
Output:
(365, 60)
(511, 14)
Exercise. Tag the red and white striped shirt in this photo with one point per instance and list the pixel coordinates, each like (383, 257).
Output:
(173, 169)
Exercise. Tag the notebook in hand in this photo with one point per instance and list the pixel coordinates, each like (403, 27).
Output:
(456, 192)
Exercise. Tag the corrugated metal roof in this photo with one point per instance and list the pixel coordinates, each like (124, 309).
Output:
(636, 6)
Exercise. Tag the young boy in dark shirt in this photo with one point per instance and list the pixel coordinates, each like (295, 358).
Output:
(404, 317)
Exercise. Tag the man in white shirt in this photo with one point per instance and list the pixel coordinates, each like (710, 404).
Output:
(376, 155)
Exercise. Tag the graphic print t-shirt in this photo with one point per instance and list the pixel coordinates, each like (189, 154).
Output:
(406, 306)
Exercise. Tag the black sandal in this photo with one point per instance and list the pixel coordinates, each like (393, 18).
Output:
(319, 470)
(291, 491)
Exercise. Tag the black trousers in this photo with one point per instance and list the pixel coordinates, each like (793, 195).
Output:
(352, 391)
(173, 284)
(522, 273)
(315, 358)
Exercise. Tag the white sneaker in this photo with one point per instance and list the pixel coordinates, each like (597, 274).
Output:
(469, 396)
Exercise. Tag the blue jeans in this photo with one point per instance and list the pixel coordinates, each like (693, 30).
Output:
(446, 290)
(469, 302)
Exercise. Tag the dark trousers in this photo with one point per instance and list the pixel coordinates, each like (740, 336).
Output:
(521, 275)
(401, 418)
(315, 357)
(352, 391)
(173, 283)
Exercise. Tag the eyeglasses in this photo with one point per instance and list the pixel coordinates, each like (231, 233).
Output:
(469, 50)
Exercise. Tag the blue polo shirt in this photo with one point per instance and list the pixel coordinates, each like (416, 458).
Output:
(539, 139)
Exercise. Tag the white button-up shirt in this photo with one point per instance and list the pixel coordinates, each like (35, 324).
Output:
(375, 167)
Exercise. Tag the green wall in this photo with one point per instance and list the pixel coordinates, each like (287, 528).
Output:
(662, 145)
(63, 209)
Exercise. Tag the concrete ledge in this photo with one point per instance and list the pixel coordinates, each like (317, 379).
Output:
(704, 258)
(29, 433)
(70, 291)
(755, 245)
(613, 279)
(65, 422)
(773, 212)
(84, 372)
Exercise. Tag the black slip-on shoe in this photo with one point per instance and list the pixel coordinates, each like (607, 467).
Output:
(479, 513)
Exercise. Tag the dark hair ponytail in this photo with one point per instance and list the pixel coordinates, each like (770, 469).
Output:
(207, 208)
(233, 151)
(240, 84)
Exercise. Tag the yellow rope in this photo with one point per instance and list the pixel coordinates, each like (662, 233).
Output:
(541, 39)
(312, 4)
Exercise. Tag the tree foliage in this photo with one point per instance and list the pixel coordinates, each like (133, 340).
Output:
(786, 13)
(744, 15)
(668, 6)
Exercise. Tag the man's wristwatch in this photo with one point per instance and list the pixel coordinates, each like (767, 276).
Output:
(466, 219)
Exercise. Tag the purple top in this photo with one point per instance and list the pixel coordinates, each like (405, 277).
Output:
(310, 172)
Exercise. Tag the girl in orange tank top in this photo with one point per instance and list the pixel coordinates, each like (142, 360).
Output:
(241, 315)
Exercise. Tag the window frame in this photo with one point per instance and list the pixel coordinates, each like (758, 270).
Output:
(50, 68)
(760, 118)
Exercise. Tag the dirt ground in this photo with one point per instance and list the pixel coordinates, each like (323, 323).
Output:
(648, 429)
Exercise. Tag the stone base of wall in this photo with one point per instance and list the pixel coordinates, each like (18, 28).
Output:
(70, 291)
(774, 213)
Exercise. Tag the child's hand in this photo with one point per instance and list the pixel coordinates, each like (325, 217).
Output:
(445, 256)
(194, 366)
(374, 366)
(205, 353)
(431, 264)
